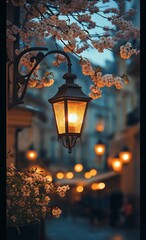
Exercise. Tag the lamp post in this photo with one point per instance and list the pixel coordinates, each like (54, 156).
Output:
(69, 104)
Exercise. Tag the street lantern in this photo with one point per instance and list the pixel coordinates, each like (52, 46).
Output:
(116, 164)
(99, 148)
(69, 107)
(125, 155)
(69, 104)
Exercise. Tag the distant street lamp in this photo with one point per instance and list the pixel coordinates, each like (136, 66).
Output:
(125, 155)
(116, 164)
(31, 154)
(100, 126)
(99, 148)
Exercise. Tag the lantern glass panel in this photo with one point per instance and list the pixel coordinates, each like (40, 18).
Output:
(60, 116)
(76, 112)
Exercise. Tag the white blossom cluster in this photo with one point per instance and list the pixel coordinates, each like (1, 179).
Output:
(71, 21)
(29, 195)
(126, 51)
(126, 26)
(103, 43)
(44, 82)
(100, 80)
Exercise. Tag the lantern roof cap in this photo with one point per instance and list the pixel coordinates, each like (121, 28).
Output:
(100, 142)
(70, 91)
(125, 149)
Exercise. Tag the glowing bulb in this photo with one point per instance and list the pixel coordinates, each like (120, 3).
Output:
(69, 175)
(99, 149)
(72, 121)
(31, 155)
(116, 164)
(80, 189)
(72, 117)
(59, 175)
(125, 156)
(78, 167)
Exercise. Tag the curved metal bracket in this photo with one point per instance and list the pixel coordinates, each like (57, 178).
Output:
(24, 79)
(69, 142)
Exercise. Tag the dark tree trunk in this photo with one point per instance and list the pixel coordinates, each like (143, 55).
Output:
(29, 232)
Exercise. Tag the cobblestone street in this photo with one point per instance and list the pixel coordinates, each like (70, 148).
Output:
(80, 229)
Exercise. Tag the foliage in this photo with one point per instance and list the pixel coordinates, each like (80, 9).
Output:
(75, 24)
(30, 197)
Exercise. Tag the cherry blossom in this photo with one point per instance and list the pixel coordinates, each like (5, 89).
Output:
(71, 22)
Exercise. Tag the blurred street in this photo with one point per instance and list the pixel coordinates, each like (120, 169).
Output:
(81, 229)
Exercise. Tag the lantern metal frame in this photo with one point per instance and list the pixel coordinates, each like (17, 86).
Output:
(68, 91)
(19, 79)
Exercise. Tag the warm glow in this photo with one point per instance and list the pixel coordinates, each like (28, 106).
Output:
(116, 164)
(94, 186)
(125, 156)
(100, 126)
(49, 178)
(31, 155)
(99, 149)
(38, 169)
(101, 185)
(59, 175)
(80, 189)
(87, 175)
(69, 175)
(78, 167)
(76, 112)
(60, 116)
(93, 172)
(72, 120)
